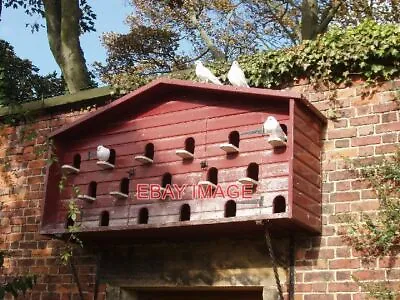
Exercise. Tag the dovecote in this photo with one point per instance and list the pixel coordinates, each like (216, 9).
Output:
(171, 138)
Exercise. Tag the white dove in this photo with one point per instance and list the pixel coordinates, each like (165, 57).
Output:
(103, 153)
(205, 74)
(272, 128)
(236, 75)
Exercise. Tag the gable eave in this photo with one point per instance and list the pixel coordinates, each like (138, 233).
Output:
(170, 86)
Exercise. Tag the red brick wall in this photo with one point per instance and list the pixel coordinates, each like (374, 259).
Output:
(23, 167)
(368, 125)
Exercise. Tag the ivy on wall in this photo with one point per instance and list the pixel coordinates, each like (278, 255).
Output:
(377, 235)
(370, 51)
(15, 285)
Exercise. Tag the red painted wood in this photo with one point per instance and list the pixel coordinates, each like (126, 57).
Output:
(307, 219)
(307, 203)
(291, 144)
(308, 130)
(146, 134)
(306, 157)
(96, 173)
(171, 106)
(222, 128)
(166, 114)
(308, 113)
(307, 173)
(188, 115)
(307, 194)
(302, 185)
(311, 146)
(51, 205)
(214, 139)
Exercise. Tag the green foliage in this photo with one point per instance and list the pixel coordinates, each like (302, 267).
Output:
(61, 183)
(378, 235)
(143, 50)
(36, 7)
(378, 290)
(20, 81)
(2, 84)
(15, 285)
(370, 50)
(73, 213)
(48, 148)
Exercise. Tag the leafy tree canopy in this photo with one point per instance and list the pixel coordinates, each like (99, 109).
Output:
(20, 81)
(369, 50)
(168, 35)
(37, 7)
(65, 21)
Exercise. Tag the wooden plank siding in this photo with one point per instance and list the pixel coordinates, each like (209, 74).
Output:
(307, 195)
(208, 116)
(209, 126)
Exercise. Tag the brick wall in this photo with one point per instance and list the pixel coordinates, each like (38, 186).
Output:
(23, 167)
(368, 124)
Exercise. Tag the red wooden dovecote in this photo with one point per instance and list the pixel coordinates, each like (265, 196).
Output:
(186, 133)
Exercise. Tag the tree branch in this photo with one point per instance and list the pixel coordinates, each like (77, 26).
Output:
(328, 15)
(395, 10)
(216, 53)
(284, 26)
(291, 2)
(197, 57)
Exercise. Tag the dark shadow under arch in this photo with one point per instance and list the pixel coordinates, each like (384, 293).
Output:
(143, 216)
(185, 213)
(230, 209)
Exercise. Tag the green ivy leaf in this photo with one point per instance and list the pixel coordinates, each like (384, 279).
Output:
(377, 68)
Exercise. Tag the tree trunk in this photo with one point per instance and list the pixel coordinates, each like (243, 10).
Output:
(309, 19)
(395, 11)
(1, 8)
(63, 31)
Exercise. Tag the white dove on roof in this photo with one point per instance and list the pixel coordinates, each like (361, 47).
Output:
(205, 75)
(236, 75)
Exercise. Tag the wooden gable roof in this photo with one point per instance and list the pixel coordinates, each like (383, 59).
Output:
(160, 91)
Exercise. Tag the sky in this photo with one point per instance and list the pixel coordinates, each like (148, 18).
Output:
(111, 15)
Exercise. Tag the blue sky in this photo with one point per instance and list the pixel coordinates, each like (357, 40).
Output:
(111, 15)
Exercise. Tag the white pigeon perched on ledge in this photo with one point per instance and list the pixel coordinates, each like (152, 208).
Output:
(236, 75)
(273, 129)
(103, 153)
(205, 74)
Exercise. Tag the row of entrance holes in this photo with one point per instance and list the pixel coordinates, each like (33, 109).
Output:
(233, 138)
(278, 206)
(212, 176)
